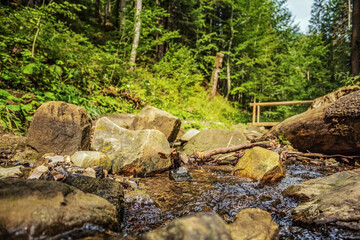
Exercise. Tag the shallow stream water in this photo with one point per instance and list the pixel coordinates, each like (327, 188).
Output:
(213, 189)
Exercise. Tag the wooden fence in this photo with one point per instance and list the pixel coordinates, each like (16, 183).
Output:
(256, 111)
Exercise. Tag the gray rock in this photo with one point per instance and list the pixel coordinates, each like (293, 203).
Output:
(333, 200)
(60, 128)
(55, 160)
(11, 172)
(180, 174)
(214, 138)
(87, 159)
(140, 153)
(188, 135)
(41, 172)
(153, 118)
(122, 120)
(48, 208)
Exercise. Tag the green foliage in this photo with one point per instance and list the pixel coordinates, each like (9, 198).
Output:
(63, 50)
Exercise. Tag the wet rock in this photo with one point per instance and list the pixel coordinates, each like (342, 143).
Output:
(214, 138)
(188, 135)
(200, 226)
(259, 164)
(87, 159)
(332, 200)
(11, 172)
(318, 186)
(106, 188)
(59, 127)
(180, 174)
(48, 208)
(153, 118)
(141, 153)
(254, 223)
(138, 196)
(122, 120)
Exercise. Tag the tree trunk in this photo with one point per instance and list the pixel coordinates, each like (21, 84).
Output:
(215, 74)
(332, 128)
(355, 40)
(228, 58)
(136, 35)
(97, 10)
(123, 15)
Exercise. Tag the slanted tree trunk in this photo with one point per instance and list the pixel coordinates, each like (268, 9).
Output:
(332, 128)
(355, 40)
(215, 74)
(136, 35)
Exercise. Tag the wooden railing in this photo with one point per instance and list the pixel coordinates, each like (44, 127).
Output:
(256, 111)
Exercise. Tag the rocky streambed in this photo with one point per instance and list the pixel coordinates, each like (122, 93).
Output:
(119, 178)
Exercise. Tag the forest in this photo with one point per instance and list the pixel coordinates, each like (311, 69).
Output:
(121, 55)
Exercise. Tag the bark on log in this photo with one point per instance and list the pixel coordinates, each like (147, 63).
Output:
(204, 155)
(331, 129)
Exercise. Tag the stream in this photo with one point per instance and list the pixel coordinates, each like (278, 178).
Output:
(212, 189)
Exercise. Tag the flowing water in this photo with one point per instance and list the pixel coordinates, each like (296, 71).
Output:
(213, 189)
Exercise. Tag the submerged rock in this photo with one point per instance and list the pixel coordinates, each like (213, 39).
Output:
(59, 127)
(259, 164)
(141, 153)
(48, 208)
(153, 118)
(250, 224)
(333, 200)
(87, 159)
(214, 138)
(180, 174)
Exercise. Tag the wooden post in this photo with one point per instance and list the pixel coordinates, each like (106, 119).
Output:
(258, 113)
(215, 74)
(254, 113)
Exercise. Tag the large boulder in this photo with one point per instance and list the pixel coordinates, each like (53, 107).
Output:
(249, 224)
(332, 200)
(259, 164)
(254, 223)
(153, 118)
(214, 138)
(87, 159)
(332, 128)
(39, 209)
(141, 153)
(59, 127)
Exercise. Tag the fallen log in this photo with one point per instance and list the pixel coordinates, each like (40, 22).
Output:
(329, 129)
(205, 155)
(317, 155)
